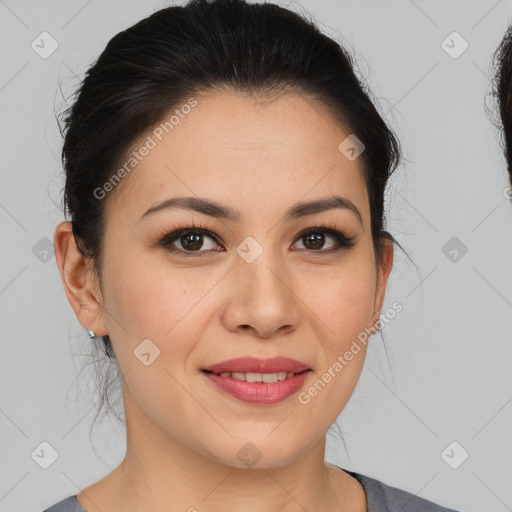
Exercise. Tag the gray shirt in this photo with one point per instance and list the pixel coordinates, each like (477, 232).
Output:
(380, 497)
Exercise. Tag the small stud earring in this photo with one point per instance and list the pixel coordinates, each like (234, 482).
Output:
(92, 334)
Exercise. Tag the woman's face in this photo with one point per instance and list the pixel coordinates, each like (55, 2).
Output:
(250, 286)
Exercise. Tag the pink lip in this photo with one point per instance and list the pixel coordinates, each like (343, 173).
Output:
(257, 365)
(259, 392)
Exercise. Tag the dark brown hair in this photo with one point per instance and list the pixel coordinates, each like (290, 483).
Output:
(502, 90)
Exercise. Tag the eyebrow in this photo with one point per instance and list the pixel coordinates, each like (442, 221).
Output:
(214, 209)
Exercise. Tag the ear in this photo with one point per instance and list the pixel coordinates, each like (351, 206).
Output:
(80, 281)
(384, 269)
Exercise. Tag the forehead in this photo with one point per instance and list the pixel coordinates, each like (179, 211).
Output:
(250, 153)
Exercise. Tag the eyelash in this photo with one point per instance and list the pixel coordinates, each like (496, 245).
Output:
(343, 242)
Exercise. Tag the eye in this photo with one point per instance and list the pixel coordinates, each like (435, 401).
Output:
(191, 241)
(315, 240)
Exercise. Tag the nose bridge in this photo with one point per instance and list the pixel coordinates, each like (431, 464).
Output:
(260, 294)
(260, 270)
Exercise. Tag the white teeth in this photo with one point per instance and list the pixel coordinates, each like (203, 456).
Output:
(253, 377)
(258, 377)
(270, 377)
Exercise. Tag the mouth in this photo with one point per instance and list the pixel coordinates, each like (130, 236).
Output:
(258, 381)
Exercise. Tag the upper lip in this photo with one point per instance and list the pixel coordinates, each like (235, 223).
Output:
(257, 365)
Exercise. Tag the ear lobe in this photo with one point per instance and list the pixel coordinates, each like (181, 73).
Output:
(79, 280)
(385, 267)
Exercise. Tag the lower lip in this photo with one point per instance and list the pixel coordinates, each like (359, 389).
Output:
(259, 392)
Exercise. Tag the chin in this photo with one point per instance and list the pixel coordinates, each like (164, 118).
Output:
(259, 452)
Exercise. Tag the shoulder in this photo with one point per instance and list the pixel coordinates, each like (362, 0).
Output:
(69, 504)
(382, 497)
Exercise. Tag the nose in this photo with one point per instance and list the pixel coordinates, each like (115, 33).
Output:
(260, 298)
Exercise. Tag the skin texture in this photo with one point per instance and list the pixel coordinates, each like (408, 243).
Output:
(259, 157)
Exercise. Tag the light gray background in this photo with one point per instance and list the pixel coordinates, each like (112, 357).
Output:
(450, 350)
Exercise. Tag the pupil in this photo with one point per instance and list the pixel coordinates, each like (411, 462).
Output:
(194, 239)
(316, 239)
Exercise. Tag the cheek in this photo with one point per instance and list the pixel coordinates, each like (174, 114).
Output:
(343, 308)
(165, 306)
(149, 295)
(343, 300)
